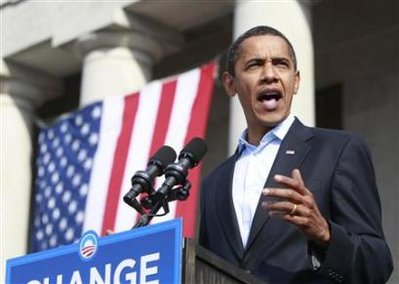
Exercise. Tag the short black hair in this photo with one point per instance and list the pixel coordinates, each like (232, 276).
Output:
(233, 51)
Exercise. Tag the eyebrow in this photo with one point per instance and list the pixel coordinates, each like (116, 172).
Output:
(282, 59)
(260, 59)
(255, 59)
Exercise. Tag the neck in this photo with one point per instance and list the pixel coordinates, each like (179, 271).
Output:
(254, 136)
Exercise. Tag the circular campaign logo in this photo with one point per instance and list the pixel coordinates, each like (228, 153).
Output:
(88, 245)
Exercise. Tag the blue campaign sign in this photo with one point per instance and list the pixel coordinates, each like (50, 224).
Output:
(145, 255)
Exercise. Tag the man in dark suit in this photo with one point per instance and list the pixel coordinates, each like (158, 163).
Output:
(294, 204)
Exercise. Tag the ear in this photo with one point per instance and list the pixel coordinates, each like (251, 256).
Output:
(297, 81)
(228, 83)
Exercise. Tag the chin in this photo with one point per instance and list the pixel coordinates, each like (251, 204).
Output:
(272, 120)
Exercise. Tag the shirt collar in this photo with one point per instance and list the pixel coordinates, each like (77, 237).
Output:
(279, 132)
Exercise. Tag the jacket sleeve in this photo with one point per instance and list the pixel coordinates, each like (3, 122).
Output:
(357, 252)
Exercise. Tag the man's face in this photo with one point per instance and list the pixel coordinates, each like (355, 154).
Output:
(265, 81)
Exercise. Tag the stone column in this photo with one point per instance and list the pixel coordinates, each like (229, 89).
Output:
(293, 19)
(117, 63)
(21, 91)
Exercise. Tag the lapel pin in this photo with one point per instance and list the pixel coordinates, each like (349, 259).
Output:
(290, 152)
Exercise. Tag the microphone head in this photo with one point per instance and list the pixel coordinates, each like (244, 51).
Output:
(164, 156)
(195, 150)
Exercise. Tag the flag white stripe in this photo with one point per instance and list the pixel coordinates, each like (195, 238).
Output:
(98, 186)
(139, 149)
(186, 92)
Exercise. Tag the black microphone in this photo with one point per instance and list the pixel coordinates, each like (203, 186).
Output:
(142, 180)
(176, 173)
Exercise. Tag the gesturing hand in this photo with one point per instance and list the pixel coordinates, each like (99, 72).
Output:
(297, 205)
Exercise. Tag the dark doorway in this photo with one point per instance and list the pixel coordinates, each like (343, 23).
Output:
(329, 107)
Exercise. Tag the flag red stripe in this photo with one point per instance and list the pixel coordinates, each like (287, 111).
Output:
(196, 128)
(163, 118)
(119, 163)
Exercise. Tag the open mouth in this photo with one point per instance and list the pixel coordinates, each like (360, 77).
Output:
(269, 95)
(269, 99)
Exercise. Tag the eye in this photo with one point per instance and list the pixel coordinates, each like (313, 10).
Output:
(252, 64)
(281, 62)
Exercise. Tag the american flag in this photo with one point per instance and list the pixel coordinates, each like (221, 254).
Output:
(86, 159)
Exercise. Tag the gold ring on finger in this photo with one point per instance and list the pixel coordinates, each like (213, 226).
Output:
(293, 210)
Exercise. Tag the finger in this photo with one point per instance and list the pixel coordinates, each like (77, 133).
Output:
(294, 219)
(296, 174)
(294, 182)
(286, 181)
(284, 207)
(288, 194)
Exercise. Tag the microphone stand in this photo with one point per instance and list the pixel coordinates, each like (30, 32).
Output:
(159, 199)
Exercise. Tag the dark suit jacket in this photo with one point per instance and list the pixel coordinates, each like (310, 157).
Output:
(337, 169)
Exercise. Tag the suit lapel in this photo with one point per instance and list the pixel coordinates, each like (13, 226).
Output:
(225, 208)
(290, 155)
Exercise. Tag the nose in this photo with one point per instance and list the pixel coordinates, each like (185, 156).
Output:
(268, 73)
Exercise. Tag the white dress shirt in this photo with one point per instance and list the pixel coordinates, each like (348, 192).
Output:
(251, 171)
